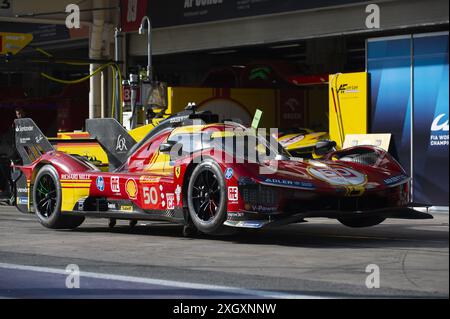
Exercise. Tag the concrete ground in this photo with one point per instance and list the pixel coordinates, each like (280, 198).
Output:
(320, 258)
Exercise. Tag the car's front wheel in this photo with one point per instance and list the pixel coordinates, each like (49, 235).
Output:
(207, 202)
(363, 221)
(47, 198)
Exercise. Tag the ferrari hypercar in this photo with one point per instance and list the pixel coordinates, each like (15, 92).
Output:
(300, 142)
(209, 176)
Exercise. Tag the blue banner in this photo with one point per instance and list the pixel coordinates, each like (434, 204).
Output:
(410, 74)
(389, 67)
(431, 115)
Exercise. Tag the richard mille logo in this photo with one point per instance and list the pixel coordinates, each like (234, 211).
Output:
(121, 144)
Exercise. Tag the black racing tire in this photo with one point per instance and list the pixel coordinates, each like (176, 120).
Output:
(207, 198)
(360, 222)
(47, 198)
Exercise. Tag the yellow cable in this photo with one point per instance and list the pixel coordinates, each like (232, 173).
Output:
(101, 68)
(114, 67)
(43, 52)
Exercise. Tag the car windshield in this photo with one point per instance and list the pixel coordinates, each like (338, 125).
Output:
(250, 147)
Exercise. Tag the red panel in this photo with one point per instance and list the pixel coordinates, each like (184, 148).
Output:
(132, 12)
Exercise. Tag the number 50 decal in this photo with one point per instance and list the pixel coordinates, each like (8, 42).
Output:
(150, 195)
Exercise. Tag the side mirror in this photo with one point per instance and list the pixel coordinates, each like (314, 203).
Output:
(324, 147)
(166, 147)
(174, 149)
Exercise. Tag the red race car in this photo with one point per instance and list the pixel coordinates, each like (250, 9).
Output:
(211, 177)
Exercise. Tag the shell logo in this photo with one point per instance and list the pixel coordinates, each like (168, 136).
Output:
(131, 188)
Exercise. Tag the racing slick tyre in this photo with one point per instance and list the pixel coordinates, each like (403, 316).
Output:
(359, 222)
(207, 198)
(47, 197)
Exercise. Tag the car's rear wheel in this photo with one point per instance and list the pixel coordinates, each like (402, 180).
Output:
(359, 222)
(47, 198)
(207, 202)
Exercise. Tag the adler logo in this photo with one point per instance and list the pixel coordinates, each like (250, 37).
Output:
(200, 3)
(439, 124)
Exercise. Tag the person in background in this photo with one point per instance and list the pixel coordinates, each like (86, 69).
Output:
(8, 154)
(20, 113)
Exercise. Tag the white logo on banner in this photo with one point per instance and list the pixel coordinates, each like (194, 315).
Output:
(437, 125)
(439, 131)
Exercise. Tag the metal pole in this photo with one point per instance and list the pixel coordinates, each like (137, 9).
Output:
(412, 121)
(134, 82)
(149, 45)
(118, 57)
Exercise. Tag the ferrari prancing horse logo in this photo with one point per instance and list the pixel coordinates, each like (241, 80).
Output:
(177, 171)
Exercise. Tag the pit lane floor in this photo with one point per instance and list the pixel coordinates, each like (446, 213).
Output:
(153, 260)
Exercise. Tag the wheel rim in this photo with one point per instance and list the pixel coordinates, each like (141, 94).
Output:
(46, 196)
(206, 195)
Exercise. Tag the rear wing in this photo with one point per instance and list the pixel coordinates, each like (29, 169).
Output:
(29, 140)
(113, 138)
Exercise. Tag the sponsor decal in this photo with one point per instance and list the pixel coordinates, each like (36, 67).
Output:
(288, 183)
(76, 176)
(112, 206)
(163, 203)
(146, 179)
(178, 119)
(346, 89)
(263, 209)
(394, 179)
(234, 215)
(131, 188)
(38, 139)
(229, 173)
(338, 176)
(178, 193)
(170, 201)
(115, 184)
(233, 194)
(80, 205)
(251, 224)
(24, 128)
(22, 190)
(126, 208)
(177, 171)
(22, 200)
(100, 183)
(24, 140)
(121, 144)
